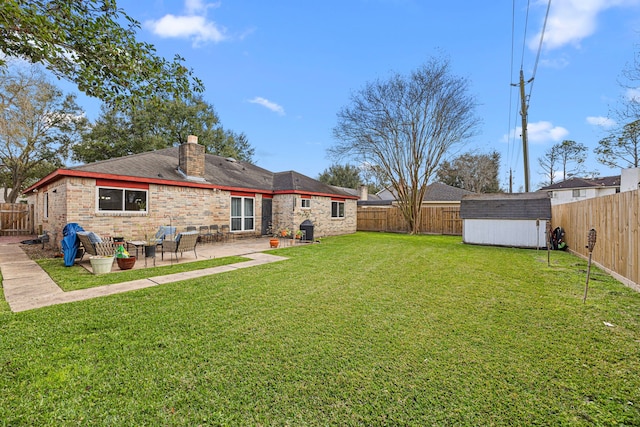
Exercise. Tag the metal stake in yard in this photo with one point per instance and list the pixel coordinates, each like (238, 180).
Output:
(548, 238)
(591, 242)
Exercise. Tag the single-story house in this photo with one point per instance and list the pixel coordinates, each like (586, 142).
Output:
(437, 194)
(132, 196)
(506, 219)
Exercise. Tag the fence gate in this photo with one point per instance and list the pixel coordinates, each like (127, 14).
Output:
(16, 219)
(451, 222)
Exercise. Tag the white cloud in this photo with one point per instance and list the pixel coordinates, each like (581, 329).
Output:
(633, 94)
(268, 104)
(193, 25)
(570, 21)
(540, 133)
(601, 121)
(198, 6)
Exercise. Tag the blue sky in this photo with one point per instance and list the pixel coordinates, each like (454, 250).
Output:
(280, 71)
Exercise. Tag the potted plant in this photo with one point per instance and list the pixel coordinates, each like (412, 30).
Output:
(124, 260)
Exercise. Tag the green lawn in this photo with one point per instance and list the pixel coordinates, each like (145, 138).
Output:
(365, 329)
(77, 277)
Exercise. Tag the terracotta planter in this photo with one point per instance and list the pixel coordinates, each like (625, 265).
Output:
(126, 263)
(274, 243)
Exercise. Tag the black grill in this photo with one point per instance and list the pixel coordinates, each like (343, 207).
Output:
(307, 228)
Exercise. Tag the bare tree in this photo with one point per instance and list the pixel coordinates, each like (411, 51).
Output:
(405, 126)
(567, 157)
(37, 126)
(572, 156)
(621, 149)
(549, 164)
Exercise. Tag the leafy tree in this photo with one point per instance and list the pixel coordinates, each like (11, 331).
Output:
(405, 125)
(84, 42)
(38, 124)
(621, 149)
(156, 124)
(473, 172)
(567, 157)
(341, 175)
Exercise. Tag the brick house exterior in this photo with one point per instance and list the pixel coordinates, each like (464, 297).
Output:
(183, 186)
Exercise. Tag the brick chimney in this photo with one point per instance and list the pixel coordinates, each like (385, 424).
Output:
(191, 158)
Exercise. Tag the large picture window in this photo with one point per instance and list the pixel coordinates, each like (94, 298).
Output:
(121, 200)
(337, 209)
(242, 214)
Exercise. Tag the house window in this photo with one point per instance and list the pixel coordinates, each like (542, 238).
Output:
(121, 200)
(46, 205)
(306, 203)
(578, 193)
(337, 209)
(242, 213)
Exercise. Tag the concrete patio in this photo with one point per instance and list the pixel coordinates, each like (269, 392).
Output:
(26, 286)
(203, 251)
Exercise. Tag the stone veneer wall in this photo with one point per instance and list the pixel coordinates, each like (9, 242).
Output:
(75, 201)
(288, 213)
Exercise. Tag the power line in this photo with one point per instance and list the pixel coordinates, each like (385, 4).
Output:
(544, 29)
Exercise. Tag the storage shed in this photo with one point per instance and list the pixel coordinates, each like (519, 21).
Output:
(510, 219)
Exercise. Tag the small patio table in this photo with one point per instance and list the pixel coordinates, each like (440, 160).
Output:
(137, 244)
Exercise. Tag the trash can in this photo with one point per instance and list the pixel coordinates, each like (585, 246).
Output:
(307, 228)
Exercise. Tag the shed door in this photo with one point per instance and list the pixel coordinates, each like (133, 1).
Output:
(266, 215)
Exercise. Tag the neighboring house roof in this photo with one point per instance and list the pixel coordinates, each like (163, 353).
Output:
(436, 192)
(161, 167)
(571, 183)
(506, 206)
(356, 192)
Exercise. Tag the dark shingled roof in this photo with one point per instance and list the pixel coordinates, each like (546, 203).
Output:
(219, 171)
(294, 181)
(605, 181)
(506, 206)
(436, 192)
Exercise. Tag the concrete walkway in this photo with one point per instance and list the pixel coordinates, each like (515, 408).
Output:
(27, 286)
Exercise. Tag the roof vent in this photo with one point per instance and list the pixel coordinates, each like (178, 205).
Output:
(231, 159)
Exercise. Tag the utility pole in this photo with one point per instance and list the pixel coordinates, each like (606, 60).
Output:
(525, 145)
(510, 181)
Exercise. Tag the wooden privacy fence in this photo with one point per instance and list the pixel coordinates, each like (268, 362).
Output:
(617, 223)
(435, 219)
(16, 219)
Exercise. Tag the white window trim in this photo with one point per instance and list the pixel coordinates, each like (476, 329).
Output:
(45, 213)
(344, 213)
(242, 216)
(121, 211)
(302, 201)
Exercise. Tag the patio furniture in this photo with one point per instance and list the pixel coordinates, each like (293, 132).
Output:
(215, 232)
(205, 234)
(94, 245)
(163, 232)
(183, 242)
(225, 232)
